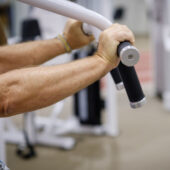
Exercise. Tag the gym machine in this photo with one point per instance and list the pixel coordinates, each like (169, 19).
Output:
(3, 166)
(159, 15)
(128, 54)
(49, 131)
(2, 141)
(129, 57)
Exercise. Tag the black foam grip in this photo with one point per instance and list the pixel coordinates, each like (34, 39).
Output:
(116, 76)
(131, 83)
(123, 45)
(116, 73)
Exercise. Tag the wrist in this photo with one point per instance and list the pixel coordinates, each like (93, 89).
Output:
(59, 45)
(107, 65)
(64, 43)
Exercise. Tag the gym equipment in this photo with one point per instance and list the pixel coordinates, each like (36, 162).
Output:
(128, 54)
(48, 131)
(88, 102)
(3, 166)
(119, 13)
(2, 141)
(30, 29)
(157, 17)
(160, 22)
(3, 41)
(52, 126)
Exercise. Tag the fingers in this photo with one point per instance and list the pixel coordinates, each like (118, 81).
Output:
(74, 23)
(110, 39)
(124, 36)
(79, 26)
(75, 36)
(121, 33)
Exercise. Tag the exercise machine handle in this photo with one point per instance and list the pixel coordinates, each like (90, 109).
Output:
(129, 55)
(88, 30)
(126, 76)
(115, 73)
(130, 78)
(132, 85)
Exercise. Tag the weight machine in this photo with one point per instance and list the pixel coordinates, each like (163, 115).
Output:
(2, 141)
(123, 76)
(160, 23)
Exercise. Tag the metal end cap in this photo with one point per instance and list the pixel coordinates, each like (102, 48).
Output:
(120, 86)
(139, 104)
(129, 56)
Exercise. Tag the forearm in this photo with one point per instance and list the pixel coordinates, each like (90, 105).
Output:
(29, 54)
(34, 88)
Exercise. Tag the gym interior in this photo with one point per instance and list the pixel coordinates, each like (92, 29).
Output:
(100, 127)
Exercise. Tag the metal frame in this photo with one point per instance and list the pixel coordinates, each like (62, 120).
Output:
(52, 127)
(2, 141)
(160, 35)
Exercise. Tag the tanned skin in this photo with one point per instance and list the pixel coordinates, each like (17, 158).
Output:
(32, 88)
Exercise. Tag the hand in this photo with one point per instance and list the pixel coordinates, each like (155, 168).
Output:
(75, 36)
(109, 41)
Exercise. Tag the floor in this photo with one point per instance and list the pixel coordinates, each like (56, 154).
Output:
(143, 142)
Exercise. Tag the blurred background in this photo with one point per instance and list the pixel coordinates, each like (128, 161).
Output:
(96, 128)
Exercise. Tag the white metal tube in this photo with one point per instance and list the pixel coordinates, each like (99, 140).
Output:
(72, 10)
(2, 141)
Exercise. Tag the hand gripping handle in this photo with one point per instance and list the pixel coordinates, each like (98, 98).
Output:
(130, 79)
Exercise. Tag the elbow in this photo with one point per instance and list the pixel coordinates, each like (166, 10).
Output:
(3, 69)
(8, 95)
(5, 109)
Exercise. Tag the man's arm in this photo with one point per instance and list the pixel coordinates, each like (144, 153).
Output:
(29, 54)
(38, 52)
(29, 89)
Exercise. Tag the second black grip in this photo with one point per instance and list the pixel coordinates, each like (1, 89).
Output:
(116, 76)
(131, 83)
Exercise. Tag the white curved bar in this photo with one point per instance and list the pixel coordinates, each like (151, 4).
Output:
(71, 10)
